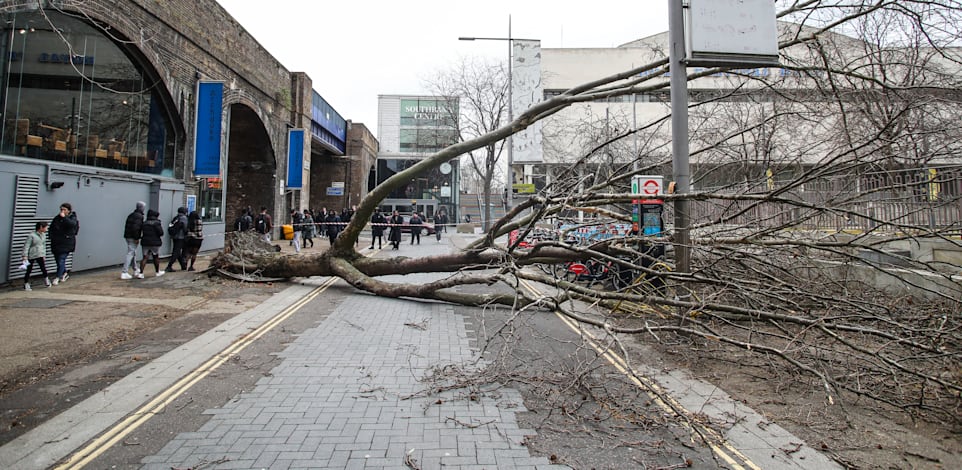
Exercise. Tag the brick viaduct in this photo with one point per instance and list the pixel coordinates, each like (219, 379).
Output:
(180, 42)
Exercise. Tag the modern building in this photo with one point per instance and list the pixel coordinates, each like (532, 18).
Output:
(411, 128)
(791, 117)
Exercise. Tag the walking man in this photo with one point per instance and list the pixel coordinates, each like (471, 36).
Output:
(63, 232)
(263, 224)
(415, 228)
(178, 235)
(132, 233)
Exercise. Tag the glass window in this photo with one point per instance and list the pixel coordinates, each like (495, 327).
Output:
(70, 94)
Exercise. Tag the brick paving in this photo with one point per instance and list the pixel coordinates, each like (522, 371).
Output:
(346, 395)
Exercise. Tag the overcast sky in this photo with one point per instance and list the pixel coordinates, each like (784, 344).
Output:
(355, 51)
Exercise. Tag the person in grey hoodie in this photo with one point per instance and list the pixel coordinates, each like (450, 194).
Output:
(132, 234)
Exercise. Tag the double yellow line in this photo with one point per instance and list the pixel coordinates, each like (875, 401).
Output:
(719, 445)
(115, 434)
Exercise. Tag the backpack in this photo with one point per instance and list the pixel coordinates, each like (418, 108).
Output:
(175, 227)
(260, 224)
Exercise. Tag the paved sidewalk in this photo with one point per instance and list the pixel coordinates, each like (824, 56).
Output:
(347, 395)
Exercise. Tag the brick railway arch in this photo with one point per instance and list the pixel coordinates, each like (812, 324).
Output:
(251, 165)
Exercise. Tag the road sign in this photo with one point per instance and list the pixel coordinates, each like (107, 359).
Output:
(647, 185)
(335, 191)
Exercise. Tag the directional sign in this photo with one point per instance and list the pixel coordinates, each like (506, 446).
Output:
(335, 191)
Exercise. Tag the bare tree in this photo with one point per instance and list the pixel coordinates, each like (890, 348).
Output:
(806, 273)
(482, 89)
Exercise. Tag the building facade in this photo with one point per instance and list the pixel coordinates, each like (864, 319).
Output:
(172, 103)
(411, 128)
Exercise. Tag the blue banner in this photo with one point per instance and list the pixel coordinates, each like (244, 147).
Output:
(210, 99)
(295, 158)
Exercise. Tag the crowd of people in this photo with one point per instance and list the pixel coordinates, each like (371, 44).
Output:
(144, 232)
(186, 233)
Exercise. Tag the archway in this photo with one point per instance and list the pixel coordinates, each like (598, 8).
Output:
(251, 166)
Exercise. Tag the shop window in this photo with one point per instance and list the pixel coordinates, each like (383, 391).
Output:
(73, 95)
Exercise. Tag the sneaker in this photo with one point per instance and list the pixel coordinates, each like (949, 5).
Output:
(139, 275)
(126, 276)
(190, 268)
(26, 286)
(56, 280)
(65, 277)
(161, 273)
(46, 281)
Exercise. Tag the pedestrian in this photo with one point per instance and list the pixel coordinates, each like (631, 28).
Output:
(377, 229)
(195, 238)
(62, 233)
(263, 224)
(178, 235)
(151, 238)
(415, 228)
(296, 227)
(307, 234)
(33, 250)
(333, 223)
(440, 224)
(394, 236)
(132, 231)
(244, 222)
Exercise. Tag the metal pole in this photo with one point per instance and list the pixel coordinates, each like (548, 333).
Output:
(509, 178)
(679, 133)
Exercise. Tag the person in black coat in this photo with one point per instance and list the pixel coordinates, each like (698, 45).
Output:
(152, 237)
(132, 234)
(62, 234)
(415, 228)
(178, 235)
(394, 236)
(333, 224)
(377, 229)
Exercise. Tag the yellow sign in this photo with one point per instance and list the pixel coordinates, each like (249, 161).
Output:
(934, 187)
(523, 188)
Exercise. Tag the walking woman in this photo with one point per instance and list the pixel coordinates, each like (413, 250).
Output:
(195, 237)
(307, 234)
(33, 250)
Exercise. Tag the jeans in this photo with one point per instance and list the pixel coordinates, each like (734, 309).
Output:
(177, 254)
(130, 261)
(61, 258)
(297, 242)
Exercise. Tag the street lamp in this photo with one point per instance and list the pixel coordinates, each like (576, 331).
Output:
(509, 177)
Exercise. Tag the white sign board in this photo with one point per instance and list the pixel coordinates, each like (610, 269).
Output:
(650, 185)
(739, 33)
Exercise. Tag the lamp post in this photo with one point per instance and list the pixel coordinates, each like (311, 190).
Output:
(509, 177)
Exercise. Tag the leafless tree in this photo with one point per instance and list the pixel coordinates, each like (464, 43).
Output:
(483, 94)
(788, 265)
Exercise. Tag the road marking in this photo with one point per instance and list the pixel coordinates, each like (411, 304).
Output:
(112, 436)
(729, 454)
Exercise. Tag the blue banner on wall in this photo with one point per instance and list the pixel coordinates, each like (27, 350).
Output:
(210, 99)
(295, 158)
